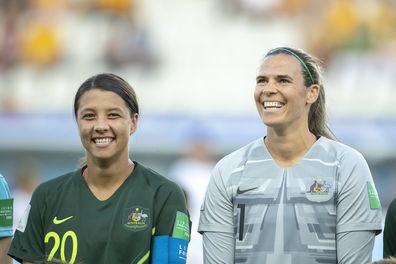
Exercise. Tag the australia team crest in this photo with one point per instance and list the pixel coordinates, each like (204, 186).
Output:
(136, 218)
(319, 190)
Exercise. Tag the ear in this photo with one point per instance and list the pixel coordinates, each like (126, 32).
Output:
(134, 123)
(312, 93)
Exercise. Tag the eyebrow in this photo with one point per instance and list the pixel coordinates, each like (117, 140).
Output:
(284, 77)
(115, 109)
(259, 77)
(281, 76)
(90, 109)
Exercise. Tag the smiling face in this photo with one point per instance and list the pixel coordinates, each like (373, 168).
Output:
(282, 99)
(105, 124)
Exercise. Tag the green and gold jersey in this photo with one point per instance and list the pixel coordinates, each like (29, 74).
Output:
(66, 221)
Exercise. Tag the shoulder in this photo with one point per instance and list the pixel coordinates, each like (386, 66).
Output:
(240, 156)
(343, 154)
(3, 186)
(4, 190)
(58, 184)
(234, 162)
(155, 180)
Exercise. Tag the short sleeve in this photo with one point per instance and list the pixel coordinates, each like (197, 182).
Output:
(217, 208)
(28, 242)
(6, 206)
(172, 226)
(358, 205)
(171, 206)
(4, 190)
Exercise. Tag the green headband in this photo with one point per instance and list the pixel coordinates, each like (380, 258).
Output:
(298, 58)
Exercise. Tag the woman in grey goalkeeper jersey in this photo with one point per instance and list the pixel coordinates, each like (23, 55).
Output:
(295, 195)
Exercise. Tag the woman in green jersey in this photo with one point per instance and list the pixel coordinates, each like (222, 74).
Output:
(112, 210)
(295, 195)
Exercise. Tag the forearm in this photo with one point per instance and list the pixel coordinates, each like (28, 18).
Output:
(4, 246)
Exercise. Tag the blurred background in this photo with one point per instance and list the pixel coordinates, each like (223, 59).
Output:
(193, 65)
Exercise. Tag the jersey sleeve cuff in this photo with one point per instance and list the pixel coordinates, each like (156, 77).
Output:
(203, 227)
(6, 233)
(351, 227)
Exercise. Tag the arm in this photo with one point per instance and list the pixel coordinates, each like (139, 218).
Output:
(4, 246)
(355, 247)
(172, 229)
(358, 210)
(218, 248)
(28, 242)
(216, 222)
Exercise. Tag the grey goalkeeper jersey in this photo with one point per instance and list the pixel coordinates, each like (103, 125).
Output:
(290, 215)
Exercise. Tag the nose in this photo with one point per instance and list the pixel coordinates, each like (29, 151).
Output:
(269, 89)
(101, 125)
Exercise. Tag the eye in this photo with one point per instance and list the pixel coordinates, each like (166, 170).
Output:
(261, 81)
(284, 80)
(113, 115)
(88, 116)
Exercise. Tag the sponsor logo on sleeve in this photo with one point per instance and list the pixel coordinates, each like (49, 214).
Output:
(373, 196)
(6, 207)
(181, 227)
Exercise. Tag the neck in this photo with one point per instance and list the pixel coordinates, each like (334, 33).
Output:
(104, 175)
(103, 181)
(288, 148)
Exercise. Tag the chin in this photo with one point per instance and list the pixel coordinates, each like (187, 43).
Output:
(101, 156)
(272, 123)
(268, 121)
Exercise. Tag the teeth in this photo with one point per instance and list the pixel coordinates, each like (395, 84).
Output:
(272, 104)
(102, 140)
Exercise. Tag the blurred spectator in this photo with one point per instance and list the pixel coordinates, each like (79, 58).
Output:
(351, 25)
(9, 38)
(294, 7)
(40, 42)
(333, 28)
(382, 24)
(26, 180)
(30, 33)
(120, 7)
(129, 43)
(48, 5)
(192, 172)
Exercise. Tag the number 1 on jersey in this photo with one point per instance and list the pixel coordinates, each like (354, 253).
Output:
(241, 220)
